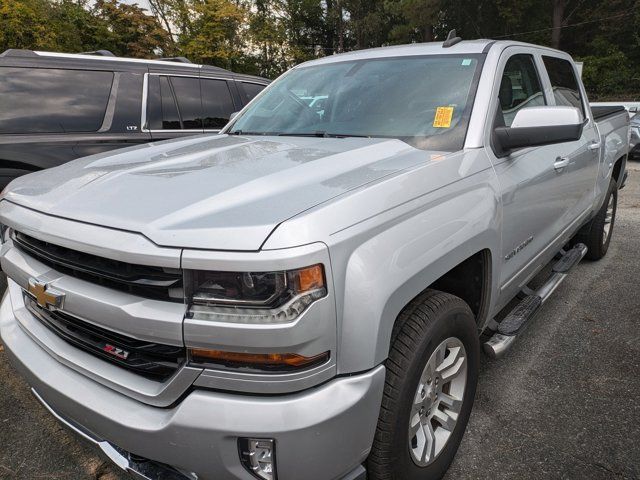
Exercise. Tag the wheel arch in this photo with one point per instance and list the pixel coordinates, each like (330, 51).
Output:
(618, 170)
(368, 318)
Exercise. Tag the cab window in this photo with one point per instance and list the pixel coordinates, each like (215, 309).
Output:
(520, 87)
(564, 82)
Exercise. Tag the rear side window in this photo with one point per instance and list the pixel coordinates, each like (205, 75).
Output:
(520, 87)
(39, 100)
(187, 92)
(169, 109)
(564, 82)
(250, 90)
(217, 104)
(173, 103)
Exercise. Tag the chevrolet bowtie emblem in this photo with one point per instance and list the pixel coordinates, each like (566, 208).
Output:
(45, 297)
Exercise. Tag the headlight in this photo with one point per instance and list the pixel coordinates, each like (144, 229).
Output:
(253, 297)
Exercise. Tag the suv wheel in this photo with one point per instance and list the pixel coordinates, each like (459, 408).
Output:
(432, 372)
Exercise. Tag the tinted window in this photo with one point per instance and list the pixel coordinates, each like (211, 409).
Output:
(250, 90)
(52, 100)
(564, 82)
(170, 116)
(217, 103)
(187, 92)
(519, 87)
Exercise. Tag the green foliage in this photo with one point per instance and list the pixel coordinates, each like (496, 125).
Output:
(25, 24)
(213, 34)
(608, 72)
(78, 25)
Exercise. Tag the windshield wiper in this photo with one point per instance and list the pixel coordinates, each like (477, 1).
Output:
(293, 134)
(321, 134)
(240, 132)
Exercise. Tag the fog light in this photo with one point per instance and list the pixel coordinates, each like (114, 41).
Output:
(258, 456)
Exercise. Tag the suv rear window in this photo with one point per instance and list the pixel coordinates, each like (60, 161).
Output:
(174, 103)
(187, 90)
(250, 90)
(39, 100)
(217, 103)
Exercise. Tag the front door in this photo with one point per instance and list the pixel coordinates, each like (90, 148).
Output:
(538, 193)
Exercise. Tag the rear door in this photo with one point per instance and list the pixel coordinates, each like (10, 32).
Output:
(537, 197)
(584, 155)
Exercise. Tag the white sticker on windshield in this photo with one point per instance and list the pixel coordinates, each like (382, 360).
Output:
(466, 62)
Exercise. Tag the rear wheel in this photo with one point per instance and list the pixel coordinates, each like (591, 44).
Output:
(432, 372)
(596, 235)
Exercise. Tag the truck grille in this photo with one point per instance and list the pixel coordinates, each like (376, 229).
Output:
(149, 282)
(152, 360)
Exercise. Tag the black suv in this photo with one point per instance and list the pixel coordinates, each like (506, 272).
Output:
(55, 107)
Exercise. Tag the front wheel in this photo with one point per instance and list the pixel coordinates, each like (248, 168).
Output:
(432, 372)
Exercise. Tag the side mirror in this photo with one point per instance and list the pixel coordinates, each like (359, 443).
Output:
(536, 126)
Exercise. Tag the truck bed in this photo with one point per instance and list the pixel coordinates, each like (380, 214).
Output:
(600, 112)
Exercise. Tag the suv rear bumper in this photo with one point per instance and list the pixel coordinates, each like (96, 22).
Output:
(322, 433)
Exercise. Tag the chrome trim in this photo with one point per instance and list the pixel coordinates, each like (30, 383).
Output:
(168, 74)
(143, 470)
(186, 130)
(78, 56)
(499, 343)
(111, 104)
(145, 94)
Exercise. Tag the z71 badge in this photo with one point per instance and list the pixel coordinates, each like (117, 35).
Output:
(116, 352)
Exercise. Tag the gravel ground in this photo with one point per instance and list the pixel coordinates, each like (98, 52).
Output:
(563, 404)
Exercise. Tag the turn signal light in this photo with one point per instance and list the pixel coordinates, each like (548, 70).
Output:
(264, 361)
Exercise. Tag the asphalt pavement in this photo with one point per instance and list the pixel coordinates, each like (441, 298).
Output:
(563, 404)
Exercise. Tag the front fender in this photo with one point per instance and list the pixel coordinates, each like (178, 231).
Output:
(387, 271)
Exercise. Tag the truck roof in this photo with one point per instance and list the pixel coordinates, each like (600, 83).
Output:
(432, 48)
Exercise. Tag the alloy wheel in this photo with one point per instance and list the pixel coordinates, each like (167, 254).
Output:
(437, 401)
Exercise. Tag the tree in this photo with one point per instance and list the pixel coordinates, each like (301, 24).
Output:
(415, 20)
(131, 32)
(26, 24)
(213, 32)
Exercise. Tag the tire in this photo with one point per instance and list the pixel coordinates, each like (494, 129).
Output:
(431, 320)
(594, 235)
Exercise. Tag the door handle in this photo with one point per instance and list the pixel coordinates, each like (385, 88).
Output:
(560, 163)
(594, 145)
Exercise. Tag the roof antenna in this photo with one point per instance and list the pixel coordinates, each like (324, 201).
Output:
(451, 40)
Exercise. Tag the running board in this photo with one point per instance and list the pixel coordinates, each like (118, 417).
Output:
(516, 321)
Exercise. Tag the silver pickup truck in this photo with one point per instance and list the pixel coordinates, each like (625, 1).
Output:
(306, 296)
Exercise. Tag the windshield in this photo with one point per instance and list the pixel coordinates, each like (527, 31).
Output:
(425, 101)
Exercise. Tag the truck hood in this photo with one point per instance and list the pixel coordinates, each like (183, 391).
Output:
(211, 192)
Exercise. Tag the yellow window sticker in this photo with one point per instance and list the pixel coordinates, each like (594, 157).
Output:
(443, 117)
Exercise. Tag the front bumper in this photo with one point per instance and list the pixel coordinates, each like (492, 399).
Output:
(321, 434)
